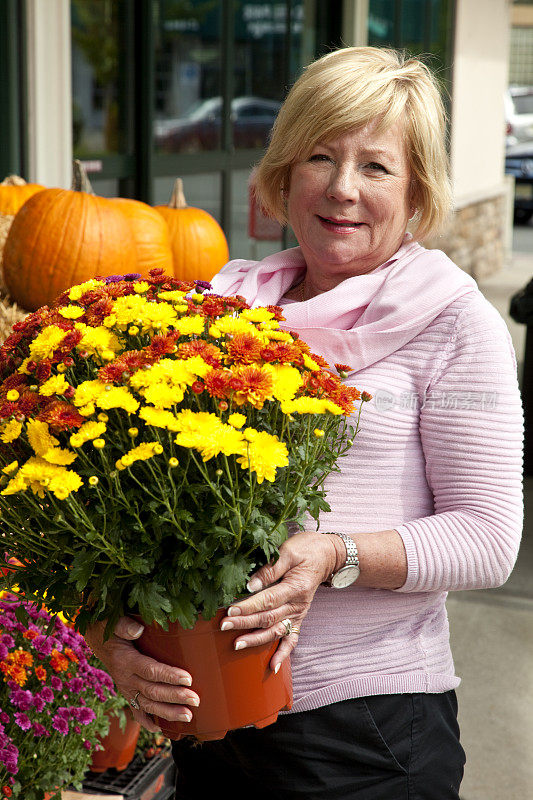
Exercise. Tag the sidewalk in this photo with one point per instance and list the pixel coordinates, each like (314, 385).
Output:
(492, 635)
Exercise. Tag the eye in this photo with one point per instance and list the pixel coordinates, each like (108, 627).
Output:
(374, 166)
(319, 157)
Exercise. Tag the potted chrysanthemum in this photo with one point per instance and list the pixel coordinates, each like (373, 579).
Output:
(155, 440)
(54, 702)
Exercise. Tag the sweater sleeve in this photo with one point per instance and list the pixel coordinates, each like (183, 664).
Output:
(471, 428)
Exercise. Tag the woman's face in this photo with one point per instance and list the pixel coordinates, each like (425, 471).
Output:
(349, 203)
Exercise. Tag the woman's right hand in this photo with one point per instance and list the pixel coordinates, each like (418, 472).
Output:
(159, 688)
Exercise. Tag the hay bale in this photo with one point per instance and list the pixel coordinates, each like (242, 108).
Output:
(10, 313)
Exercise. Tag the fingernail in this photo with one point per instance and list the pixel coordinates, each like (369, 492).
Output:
(276, 669)
(135, 630)
(227, 625)
(185, 717)
(254, 584)
(185, 682)
(234, 611)
(193, 701)
(240, 645)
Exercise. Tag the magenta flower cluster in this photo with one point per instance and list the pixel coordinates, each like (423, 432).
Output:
(48, 687)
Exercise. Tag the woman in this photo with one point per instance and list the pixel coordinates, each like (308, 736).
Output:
(430, 498)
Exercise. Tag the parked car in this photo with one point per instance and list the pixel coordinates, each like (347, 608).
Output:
(519, 162)
(200, 128)
(518, 103)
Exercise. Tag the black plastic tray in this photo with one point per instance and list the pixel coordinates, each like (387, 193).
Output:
(141, 780)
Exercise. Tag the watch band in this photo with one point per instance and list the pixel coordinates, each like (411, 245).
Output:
(352, 556)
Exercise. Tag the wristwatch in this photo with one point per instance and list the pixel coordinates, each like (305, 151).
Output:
(349, 573)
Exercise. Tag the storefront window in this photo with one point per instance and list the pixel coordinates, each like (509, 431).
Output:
(188, 97)
(98, 69)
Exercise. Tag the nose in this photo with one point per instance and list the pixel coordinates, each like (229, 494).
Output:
(344, 185)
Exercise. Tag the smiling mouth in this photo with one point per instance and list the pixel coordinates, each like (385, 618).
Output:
(336, 224)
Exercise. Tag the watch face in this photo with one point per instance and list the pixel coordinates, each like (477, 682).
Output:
(345, 577)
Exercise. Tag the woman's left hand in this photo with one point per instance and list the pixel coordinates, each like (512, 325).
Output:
(287, 588)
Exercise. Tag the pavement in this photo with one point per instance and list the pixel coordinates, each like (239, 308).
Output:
(492, 632)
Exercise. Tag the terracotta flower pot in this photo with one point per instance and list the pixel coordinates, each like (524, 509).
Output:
(119, 746)
(236, 688)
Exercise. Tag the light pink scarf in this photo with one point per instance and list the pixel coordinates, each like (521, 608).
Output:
(364, 318)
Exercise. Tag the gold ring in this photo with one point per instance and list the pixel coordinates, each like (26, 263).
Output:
(288, 626)
(134, 702)
(295, 630)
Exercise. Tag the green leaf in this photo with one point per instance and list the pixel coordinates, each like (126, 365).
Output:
(81, 570)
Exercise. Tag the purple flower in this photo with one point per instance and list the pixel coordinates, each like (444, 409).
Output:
(22, 698)
(132, 276)
(3, 651)
(63, 712)
(57, 683)
(60, 724)
(46, 694)
(84, 715)
(44, 644)
(22, 721)
(113, 278)
(40, 730)
(8, 640)
(203, 285)
(38, 702)
(87, 745)
(4, 717)
(75, 685)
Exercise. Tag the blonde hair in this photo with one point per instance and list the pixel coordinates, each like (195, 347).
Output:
(345, 90)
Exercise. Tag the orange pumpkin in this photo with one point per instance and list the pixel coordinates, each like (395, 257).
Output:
(64, 237)
(199, 246)
(14, 191)
(150, 234)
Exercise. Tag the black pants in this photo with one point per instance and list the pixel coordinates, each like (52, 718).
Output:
(387, 747)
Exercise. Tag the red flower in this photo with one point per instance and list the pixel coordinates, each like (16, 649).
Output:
(217, 383)
(61, 416)
(161, 345)
(343, 368)
(257, 386)
(58, 661)
(199, 347)
(44, 369)
(284, 352)
(277, 311)
(40, 673)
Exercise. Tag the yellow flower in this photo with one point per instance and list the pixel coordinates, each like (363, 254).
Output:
(318, 432)
(236, 420)
(264, 456)
(12, 395)
(141, 286)
(78, 291)
(204, 432)
(97, 340)
(71, 312)
(88, 392)
(187, 326)
(310, 363)
(46, 342)
(173, 462)
(57, 384)
(117, 397)
(287, 380)
(9, 468)
(87, 432)
(232, 325)
(93, 480)
(99, 444)
(11, 431)
(159, 418)
(257, 314)
(279, 336)
(175, 295)
(45, 445)
(142, 452)
(310, 405)
(133, 330)
(37, 474)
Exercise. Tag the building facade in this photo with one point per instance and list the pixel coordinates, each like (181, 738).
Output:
(144, 91)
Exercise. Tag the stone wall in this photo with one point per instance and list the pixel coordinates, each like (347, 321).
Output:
(476, 238)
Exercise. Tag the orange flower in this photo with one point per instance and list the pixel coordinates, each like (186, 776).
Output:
(256, 386)
(40, 673)
(71, 655)
(217, 383)
(30, 635)
(284, 352)
(58, 661)
(199, 347)
(12, 670)
(244, 348)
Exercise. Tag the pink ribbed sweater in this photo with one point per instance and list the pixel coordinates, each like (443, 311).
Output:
(438, 458)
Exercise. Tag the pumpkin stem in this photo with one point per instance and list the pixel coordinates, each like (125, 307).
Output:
(80, 181)
(177, 199)
(13, 180)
